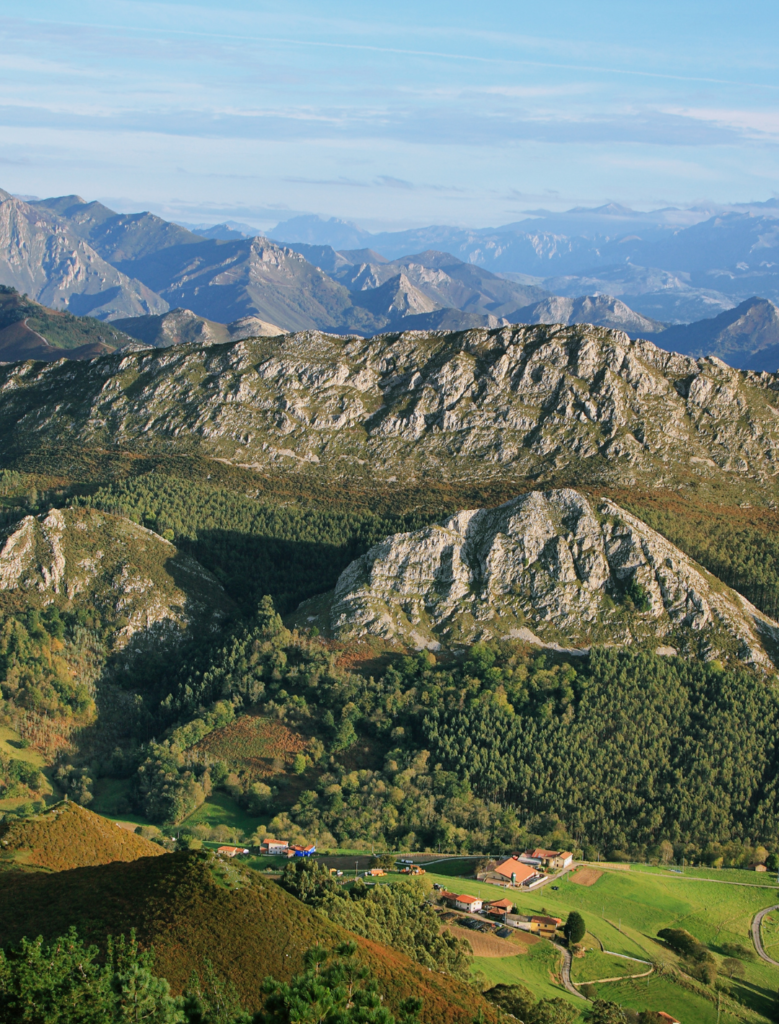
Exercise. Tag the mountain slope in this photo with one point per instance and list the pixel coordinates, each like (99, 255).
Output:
(146, 592)
(29, 330)
(551, 563)
(747, 336)
(580, 402)
(192, 908)
(67, 836)
(446, 281)
(601, 310)
(225, 281)
(117, 237)
(41, 257)
(183, 327)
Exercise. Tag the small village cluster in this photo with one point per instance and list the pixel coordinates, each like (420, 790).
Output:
(526, 869)
(271, 848)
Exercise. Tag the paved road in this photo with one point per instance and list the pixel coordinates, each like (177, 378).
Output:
(756, 922)
(566, 974)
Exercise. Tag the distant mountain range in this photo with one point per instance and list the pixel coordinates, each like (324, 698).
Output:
(160, 283)
(671, 265)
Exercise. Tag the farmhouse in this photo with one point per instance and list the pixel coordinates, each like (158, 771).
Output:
(301, 851)
(545, 926)
(551, 858)
(231, 851)
(500, 908)
(513, 870)
(275, 847)
(470, 903)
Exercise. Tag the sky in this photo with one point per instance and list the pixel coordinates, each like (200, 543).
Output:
(389, 115)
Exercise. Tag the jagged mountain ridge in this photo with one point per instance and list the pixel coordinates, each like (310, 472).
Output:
(42, 257)
(601, 310)
(447, 282)
(746, 337)
(183, 327)
(548, 567)
(581, 402)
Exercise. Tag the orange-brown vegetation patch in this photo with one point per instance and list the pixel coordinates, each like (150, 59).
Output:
(521, 938)
(260, 746)
(190, 907)
(68, 836)
(585, 876)
(485, 943)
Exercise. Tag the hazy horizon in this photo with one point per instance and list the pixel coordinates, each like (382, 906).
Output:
(435, 114)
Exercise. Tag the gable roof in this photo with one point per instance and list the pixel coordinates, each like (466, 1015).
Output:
(503, 904)
(468, 899)
(514, 866)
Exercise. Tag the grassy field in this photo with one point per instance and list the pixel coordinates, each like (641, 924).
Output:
(594, 965)
(9, 745)
(740, 875)
(626, 909)
(538, 969)
(661, 994)
(220, 809)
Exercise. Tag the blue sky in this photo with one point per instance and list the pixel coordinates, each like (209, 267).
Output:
(391, 115)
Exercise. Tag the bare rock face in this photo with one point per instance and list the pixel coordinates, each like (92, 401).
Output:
(582, 402)
(40, 256)
(549, 567)
(144, 590)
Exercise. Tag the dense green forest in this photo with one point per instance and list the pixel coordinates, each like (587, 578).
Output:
(253, 547)
(742, 553)
(617, 752)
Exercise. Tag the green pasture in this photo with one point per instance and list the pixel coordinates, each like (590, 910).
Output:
(10, 746)
(538, 969)
(626, 909)
(769, 932)
(741, 876)
(594, 965)
(221, 809)
(666, 996)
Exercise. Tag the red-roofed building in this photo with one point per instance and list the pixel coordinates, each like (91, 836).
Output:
(667, 1018)
(504, 906)
(231, 851)
(472, 904)
(551, 858)
(516, 872)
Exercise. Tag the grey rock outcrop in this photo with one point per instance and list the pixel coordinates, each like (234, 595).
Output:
(144, 590)
(552, 568)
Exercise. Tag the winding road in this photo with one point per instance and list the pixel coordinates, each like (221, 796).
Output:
(566, 974)
(756, 922)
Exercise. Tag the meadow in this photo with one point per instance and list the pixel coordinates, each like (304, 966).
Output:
(624, 910)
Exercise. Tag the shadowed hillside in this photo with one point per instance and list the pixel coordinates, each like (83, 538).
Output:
(193, 907)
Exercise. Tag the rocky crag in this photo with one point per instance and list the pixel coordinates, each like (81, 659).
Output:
(580, 403)
(146, 593)
(551, 568)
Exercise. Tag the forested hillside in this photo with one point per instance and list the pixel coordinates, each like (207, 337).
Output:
(482, 753)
